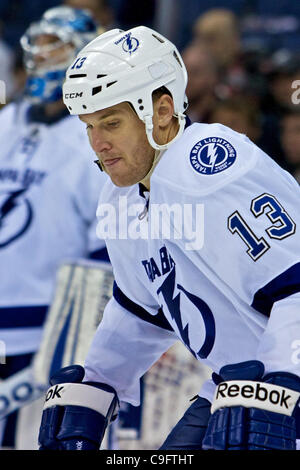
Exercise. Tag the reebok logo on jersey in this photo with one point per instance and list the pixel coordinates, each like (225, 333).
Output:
(54, 392)
(255, 395)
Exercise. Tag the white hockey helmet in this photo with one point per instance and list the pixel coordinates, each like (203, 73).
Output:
(127, 66)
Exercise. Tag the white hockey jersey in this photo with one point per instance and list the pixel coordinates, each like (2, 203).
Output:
(49, 190)
(220, 270)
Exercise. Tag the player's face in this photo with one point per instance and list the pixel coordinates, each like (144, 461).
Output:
(119, 140)
(51, 51)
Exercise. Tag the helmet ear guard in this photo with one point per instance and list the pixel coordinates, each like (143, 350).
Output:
(127, 66)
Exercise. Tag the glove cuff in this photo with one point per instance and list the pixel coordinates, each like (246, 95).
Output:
(285, 379)
(81, 394)
(251, 394)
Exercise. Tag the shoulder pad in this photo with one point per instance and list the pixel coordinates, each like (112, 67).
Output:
(205, 158)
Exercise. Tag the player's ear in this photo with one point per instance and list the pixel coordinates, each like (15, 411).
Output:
(163, 110)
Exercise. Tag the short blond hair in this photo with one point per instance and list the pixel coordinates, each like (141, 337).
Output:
(217, 20)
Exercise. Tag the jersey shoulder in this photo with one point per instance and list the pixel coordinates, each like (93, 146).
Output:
(205, 158)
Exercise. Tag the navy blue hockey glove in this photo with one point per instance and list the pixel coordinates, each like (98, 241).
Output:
(76, 413)
(251, 411)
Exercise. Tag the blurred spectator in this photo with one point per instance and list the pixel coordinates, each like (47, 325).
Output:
(281, 71)
(290, 140)
(182, 15)
(202, 81)
(100, 9)
(244, 115)
(240, 114)
(218, 29)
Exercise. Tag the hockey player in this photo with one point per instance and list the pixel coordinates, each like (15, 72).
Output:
(221, 271)
(48, 189)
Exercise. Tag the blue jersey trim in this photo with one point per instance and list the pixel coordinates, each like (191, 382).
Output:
(188, 122)
(22, 317)
(100, 255)
(287, 283)
(158, 320)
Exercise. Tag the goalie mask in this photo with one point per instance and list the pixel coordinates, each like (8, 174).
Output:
(49, 47)
(127, 66)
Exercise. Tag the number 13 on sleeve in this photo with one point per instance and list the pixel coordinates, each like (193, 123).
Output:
(283, 226)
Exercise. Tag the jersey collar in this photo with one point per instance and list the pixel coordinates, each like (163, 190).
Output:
(142, 188)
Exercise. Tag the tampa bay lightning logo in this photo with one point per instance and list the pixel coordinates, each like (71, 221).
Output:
(15, 216)
(212, 155)
(129, 43)
(173, 302)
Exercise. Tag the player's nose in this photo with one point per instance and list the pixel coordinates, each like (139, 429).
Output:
(98, 142)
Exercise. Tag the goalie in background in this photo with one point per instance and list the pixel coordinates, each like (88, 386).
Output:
(48, 188)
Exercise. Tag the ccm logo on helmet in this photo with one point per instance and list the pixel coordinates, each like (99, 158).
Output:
(257, 392)
(74, 95)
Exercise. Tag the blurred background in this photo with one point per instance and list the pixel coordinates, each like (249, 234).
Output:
(242, 56)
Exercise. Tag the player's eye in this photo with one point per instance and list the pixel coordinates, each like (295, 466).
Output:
(89, 126)
(113, 124)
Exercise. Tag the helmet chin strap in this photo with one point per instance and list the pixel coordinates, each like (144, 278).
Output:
(157, 156)
(159, 149)
(149, 131)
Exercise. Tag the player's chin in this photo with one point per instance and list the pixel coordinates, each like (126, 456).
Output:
(122, 180)
(121, 175)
